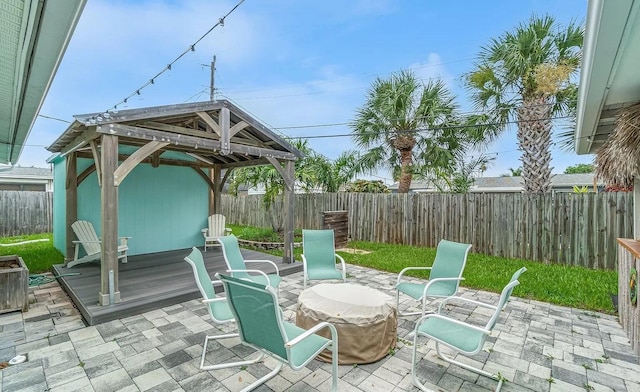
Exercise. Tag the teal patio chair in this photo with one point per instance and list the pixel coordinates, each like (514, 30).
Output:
(319, 257)
(237, 265)
(444, 277)
(217, 306)
(262, 327)
(463, 337)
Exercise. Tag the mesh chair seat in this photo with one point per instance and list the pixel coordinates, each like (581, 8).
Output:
(262, 327)
(416, 290)
(464, 337)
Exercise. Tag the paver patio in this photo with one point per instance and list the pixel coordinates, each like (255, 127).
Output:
(536, 346)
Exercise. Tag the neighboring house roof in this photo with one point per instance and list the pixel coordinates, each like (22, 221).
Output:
(26, 178)
(609, 80)
(27, 172)
(33, 37)
(509, 184)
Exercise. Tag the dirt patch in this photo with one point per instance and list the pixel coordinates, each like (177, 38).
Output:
(354, 251)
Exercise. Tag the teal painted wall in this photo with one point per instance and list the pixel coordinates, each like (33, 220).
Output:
(161, 208)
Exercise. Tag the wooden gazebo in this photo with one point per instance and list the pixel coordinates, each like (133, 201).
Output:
(212, 138)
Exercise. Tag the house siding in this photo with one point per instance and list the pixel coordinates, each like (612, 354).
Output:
(162, 208)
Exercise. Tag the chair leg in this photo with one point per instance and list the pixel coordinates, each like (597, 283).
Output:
(408, 313)
(264, 378)
(414, 364)
(424, 307)
(226, 364)
(500, 379)
(334, 367)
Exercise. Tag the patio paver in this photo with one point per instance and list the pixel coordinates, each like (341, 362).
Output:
(536, 346)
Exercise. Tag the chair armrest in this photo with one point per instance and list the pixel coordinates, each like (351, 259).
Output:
(311, 331)
(410, 269)
(123, 240)
(462, 299)
(227, 231)
(431, 281)
(422, 319)
(250, 270)
(87, 242)
(264, 261)
(344, 266)
(217, 299)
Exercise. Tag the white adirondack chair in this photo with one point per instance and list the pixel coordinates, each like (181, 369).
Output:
(215, 230)
(89, 240)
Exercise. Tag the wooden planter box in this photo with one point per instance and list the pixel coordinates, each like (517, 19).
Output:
(14, 284)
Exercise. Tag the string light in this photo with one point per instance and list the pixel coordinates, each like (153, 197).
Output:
(190, 48)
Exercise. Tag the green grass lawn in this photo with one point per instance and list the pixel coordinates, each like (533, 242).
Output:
(553, 283)
(38, 256)
(562, 285)
(558, 284)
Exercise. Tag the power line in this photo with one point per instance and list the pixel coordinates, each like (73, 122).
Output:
(54, 118)
(463, 114)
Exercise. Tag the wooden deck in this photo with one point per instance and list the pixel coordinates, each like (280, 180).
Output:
(147, 282)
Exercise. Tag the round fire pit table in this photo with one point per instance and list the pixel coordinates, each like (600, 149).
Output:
(366, 320)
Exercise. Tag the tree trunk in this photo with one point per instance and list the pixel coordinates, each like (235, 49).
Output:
(406, 171)
(534, 140)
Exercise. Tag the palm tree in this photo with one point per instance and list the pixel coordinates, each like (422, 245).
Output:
(524, 76)
(331, 176)
(313, 171)
(405, 125)
(462, 175)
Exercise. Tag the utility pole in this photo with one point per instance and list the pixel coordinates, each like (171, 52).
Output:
(212, 94)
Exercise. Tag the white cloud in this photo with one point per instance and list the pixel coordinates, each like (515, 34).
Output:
(433, 69)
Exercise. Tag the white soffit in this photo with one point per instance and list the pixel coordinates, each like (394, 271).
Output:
(609, 80)
(33, 37)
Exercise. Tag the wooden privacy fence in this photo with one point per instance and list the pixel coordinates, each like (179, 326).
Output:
(24, 212)
(565, 228)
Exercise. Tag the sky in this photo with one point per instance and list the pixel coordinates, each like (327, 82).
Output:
(302, 68)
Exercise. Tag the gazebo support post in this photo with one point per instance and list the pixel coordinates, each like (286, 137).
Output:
(217, 192)
(109, 292)
(71, 185)
(289, 208)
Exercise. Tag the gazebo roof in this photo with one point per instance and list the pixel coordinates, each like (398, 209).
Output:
(209, 133)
